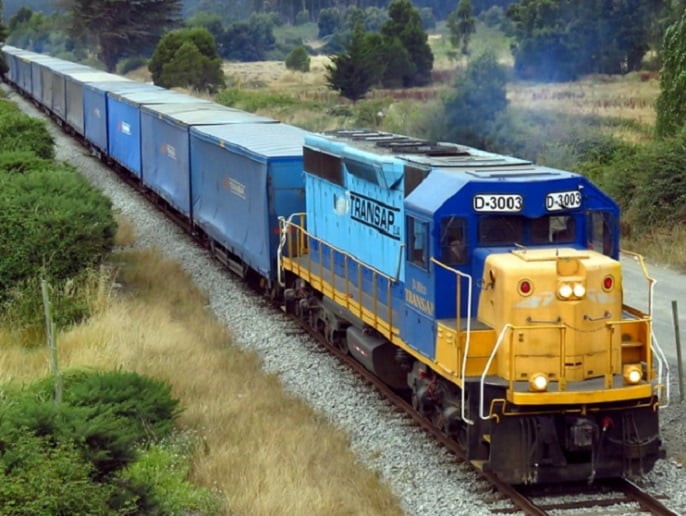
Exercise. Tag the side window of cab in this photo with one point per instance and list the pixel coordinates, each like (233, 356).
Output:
(453, 240)
(418, 242)
(601, 225)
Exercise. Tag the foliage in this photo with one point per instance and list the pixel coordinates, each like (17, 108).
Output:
(479, 98)
(405, 24)
(461, 25)
(106, 414)
(39, 476)
(248, 40)
(94, 431)
(120, 28)
(649, 184)
(298, 59)
(129, 64)
(560, 40)
(53, 221)
(165, 468)
(671, 104)
(211, 22)
(330, 21)
(354, 71)
(187, 58)
(19, 132)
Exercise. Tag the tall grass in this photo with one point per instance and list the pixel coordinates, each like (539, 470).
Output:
(263, 451)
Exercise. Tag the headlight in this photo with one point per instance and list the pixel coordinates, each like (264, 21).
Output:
(565, 291)
(633, 374)
(538, 382)
(571, 290)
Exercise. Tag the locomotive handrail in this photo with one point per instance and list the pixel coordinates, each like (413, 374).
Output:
(658, 353)
(501, 337)
(651, 281)
(662, 363)
(304, 236)
(468, 277)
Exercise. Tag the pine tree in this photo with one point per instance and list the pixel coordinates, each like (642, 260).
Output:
(355, 70)
(462, 25)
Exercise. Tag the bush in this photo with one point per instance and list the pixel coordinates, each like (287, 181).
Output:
(39, 476)
(107, 415)
(53, 222)
(298, 60)
(19, 132)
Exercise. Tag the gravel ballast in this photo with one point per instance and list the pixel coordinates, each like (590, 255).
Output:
(424, 477)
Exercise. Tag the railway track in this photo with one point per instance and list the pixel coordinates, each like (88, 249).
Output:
(619, 496)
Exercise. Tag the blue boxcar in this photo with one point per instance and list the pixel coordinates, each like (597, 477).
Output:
(95, 109)
(124, 121)
(244, 177)
(165, 137)
(75, 82)
(13, 58)
(57, 72)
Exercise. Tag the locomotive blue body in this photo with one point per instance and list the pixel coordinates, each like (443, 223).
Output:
(485, 287)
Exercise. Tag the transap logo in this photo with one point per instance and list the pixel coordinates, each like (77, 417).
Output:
(124, 128)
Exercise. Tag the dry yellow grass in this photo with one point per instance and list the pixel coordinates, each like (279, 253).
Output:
(631, 97)
(264, 451)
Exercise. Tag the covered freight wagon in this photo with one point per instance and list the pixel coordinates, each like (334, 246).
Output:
(165, 138)
(244, 177)
(124, 121)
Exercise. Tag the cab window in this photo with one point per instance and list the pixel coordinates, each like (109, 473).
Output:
(453, 240)
(418, 242)
(600, 237)
(501, 230)
(553, 229)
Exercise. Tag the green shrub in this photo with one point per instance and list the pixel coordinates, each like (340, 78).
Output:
(20, 161)
(39, 476)
(52, 221)
(165, 467)
(19, 132)
(106, 414)
(298, 60)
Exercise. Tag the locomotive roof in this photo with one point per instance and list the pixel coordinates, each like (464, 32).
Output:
(448, 157)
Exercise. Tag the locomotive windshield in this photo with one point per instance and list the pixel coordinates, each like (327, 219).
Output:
(511, 229)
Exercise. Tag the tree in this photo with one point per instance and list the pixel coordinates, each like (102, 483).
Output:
(298, 59)
(248, 40)
(671, 103)
(479, 99)
(461, 25)
(357, 68)
(330, 21)
(188, 58)
(562, 39)
(121, 27)
(405, 24)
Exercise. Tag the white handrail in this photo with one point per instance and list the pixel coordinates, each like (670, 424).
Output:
(501, 337)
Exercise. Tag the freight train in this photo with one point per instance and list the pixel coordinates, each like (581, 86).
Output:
(485, 287)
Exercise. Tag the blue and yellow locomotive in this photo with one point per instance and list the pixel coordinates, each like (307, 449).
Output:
(487, 287)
